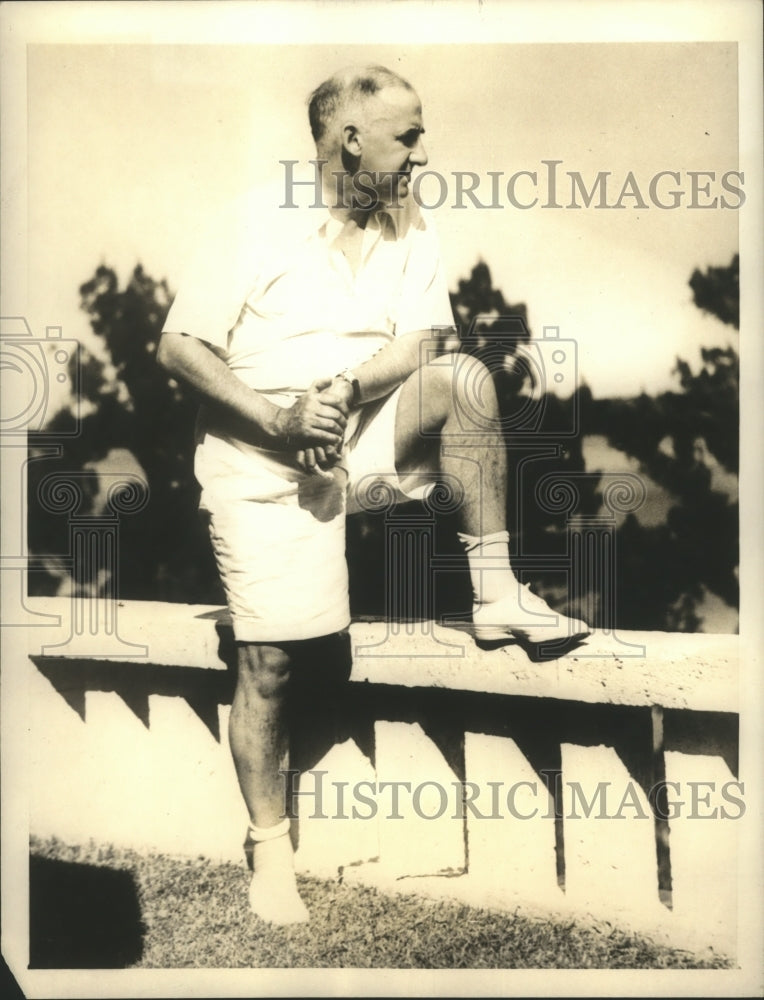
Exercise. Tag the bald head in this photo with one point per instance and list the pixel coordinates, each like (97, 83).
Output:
(355, 86)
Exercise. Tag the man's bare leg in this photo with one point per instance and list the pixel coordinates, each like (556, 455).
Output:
(455, 399)
(259, 738)
(450, 405)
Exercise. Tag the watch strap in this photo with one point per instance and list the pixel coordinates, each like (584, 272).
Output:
(350, 378)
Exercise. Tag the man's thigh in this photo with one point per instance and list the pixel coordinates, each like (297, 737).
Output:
(371, 460)
(423, 405)
(282, 563)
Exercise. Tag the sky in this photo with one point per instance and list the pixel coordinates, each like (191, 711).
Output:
(132, 148)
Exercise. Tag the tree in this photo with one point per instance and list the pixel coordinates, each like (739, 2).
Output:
(717, 291)
(132, 404)
(679, 439)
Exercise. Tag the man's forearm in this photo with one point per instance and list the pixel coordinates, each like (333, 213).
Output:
(390, 366)
(310, 422)
(193, 362)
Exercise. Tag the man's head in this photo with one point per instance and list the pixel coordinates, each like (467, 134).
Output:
(367, 122)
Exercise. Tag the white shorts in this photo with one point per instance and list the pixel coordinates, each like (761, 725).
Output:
(281, 558)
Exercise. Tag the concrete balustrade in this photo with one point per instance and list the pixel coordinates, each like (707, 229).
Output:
(518, 783)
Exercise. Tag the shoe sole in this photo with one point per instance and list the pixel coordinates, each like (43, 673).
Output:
(496, 634)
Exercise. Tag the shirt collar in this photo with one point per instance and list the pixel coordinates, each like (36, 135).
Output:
(380, 219)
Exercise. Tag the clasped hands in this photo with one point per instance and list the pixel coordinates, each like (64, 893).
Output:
(315, 424)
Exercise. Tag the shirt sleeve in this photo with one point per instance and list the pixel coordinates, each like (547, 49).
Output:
(216, 283)
(424, 302)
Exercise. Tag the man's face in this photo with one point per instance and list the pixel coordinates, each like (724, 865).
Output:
(389, 138)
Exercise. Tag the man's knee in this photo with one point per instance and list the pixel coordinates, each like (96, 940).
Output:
(470, 376)
(266, 669)
(453, 371)
(453, 385)
(460, 383)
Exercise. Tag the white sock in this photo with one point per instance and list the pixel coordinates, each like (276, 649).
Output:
(273, 894)
(490, 571)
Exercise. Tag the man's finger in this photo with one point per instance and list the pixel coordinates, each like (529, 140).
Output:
(332, 418)
(333, 398)
(328, 409)
(334, 403)
(317, 437)
(320, 427)
(319, 384)
(314, 457)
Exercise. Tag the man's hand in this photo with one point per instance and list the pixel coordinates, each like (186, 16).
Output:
(318, 460)
(315, 420)
(339, 393)
(336, 393)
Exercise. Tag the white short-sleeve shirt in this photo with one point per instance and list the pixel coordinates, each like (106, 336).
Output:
(272, 291)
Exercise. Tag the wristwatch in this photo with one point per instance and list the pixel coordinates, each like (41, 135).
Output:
(350, 378)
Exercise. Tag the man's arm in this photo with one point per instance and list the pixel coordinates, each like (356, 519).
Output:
(378, 376)
(386, 370)
(390, 366)
(310, 422)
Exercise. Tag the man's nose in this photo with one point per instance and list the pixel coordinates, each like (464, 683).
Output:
(418, 155)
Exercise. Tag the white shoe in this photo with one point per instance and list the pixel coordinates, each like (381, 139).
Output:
(527, 617)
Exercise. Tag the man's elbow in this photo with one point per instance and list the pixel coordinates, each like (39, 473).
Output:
(167, 352)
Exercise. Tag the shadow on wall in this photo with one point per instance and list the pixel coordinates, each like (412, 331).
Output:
(82, 916)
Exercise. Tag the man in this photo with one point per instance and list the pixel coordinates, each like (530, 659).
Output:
(304, 334)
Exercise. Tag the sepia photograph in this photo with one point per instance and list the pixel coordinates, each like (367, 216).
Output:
(381, 504)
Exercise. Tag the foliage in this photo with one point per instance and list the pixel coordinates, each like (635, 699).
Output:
(130, 403)
(682, 440)
(717, 291)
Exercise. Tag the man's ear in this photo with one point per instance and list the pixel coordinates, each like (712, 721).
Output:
(351, 139)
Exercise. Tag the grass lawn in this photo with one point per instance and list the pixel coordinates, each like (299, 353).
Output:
(101, 907)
